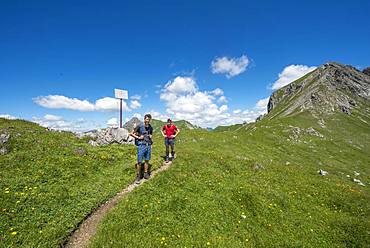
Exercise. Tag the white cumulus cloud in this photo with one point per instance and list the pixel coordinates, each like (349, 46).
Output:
(59, 123)
(49, 117)
(217, 92)
(135, 104)
(137, 115)
(222, 99)
(113, 122)
(63, 102)
(291, 73)
(109, 104)
(54, 122)
(262, 103)
(202, 108)
(181, 85)
(135, 97)
(7, 116)
(230, 66)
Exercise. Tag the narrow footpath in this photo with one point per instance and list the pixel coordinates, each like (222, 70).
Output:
(82, 236)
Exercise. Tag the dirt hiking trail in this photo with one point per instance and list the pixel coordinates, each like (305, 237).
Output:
(83, 234)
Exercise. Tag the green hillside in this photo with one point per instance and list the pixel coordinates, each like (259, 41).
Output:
(51, 180)
(182, 124)
(227, 128)
(258, 185)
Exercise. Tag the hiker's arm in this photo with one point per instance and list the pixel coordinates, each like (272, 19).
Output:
(134, 134)
(163, 134)
(178, 131)
(150, 133)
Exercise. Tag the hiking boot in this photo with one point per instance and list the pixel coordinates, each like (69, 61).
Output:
(167, 159)
(138, 178)
(146, 175)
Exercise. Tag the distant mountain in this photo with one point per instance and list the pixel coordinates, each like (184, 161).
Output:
(131, 124)
(158, 124)
(227, 128)
(182, 124)
(330, 88)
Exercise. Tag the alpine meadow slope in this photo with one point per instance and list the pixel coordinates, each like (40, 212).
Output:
(259, 184)
(50, 181)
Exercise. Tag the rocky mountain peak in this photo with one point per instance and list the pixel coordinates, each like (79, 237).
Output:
(332, 86)
(131, 124)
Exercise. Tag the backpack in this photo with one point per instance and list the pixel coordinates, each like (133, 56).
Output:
(142, 131)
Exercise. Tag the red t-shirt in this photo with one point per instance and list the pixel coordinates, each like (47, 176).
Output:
(169, 130)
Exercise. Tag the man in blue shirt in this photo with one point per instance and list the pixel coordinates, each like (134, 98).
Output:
(143, 139)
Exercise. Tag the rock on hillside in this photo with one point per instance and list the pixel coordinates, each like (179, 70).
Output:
(109, 136)
(331, 87)
(4, 138)
(367, 71)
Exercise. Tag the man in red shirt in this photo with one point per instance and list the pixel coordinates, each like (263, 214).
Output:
(169, 132)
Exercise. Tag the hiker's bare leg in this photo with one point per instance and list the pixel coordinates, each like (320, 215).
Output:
(146, 166)
(138, 168)
(173, 151)
(167, 151)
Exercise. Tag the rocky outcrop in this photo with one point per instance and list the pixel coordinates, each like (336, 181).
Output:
(110, 136)
(260, 117)
(4, 139)
(331, 87)
(366, 71)
(296, 133)
(80, 151)
(131, 124)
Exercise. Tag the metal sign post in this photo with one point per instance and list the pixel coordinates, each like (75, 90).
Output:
(120, 113)
(120, 94)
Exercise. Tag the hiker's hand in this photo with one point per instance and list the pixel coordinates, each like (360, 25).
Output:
(141, 137)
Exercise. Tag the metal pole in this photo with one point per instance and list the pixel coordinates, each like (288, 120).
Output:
(120, 110)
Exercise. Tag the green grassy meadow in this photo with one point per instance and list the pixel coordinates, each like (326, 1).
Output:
(47, 188)
(252, 186)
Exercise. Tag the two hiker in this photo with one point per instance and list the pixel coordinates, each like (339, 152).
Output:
(143, 134)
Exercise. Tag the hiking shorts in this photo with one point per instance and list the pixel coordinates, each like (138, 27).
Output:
(143, 150)
(169, 141)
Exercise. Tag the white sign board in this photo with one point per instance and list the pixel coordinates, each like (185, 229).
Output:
(121, 94)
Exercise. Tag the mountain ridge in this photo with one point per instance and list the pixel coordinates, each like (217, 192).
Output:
(331, 87)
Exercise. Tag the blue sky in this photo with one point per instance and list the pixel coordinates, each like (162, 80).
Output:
(58, 58)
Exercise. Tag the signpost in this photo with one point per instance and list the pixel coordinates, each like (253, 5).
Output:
(120, 94)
